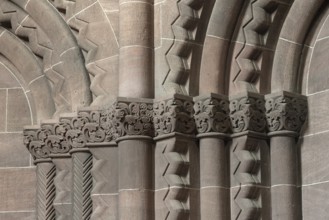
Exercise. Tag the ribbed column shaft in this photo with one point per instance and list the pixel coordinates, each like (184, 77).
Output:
(136, 49)
(82, 185)
(46, 172)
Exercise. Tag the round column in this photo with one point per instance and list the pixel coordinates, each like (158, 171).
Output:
(136, 49)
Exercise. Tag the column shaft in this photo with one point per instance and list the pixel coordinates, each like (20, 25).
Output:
(136, 49)
(46, 191)
(214, 179)
(82, 184)
(136, 179)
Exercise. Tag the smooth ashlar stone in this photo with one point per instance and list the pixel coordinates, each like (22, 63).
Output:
(318, 80)
(314, 154)
(31, 215)
(12, 151)
(318, 117)
(17, 189)
(315, 202)
(18, 110)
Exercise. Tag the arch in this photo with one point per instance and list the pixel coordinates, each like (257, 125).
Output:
(289, 49)
(67, 71)
(216, 46)
(21, 62)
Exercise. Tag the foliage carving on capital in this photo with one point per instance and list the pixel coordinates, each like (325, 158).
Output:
(133, 118)
(34, 139)
(286, 112)
(248, 114)
(174, 115)
(212, 115)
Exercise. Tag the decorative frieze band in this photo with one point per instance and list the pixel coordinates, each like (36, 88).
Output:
(124, 117)
(128, 117)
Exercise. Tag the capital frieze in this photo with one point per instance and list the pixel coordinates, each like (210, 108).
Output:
(211, 114)
(43, 141)
(35, 146)
(133, 117)
(247, 113)
(174, 115)
(286, 111)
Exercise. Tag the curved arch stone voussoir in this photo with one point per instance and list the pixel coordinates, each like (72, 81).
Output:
(28, 73)
(69, 59)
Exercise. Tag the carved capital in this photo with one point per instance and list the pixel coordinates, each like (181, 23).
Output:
(211, 114)
(247, 113)
(174, 115)
(285, 111)
(133, 117)
(35, 138)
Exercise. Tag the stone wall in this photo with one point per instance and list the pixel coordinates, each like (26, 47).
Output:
(18, 177)
(163, 109)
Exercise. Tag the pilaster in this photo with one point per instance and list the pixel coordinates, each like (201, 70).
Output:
(249, 158)
(176, 160)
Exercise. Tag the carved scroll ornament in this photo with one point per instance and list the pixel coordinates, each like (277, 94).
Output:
(286, 112)
(212, 115)
(174, 115)
(248, 113)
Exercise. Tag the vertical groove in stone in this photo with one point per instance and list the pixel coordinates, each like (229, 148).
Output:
(246, 171)
(82, 185)
(46, 191)
(63, 183)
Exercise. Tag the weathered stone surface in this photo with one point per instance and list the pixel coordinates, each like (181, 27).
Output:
(314, 151)
(12, 152)
(317, 117)
(18, 110)
(18, 215)
(176, 157)
(315, 201)
(14, 197)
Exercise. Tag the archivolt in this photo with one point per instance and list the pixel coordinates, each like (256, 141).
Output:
(288, 54)
(95, 24)
(43, 30)
(241, 39)
(20, 62)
